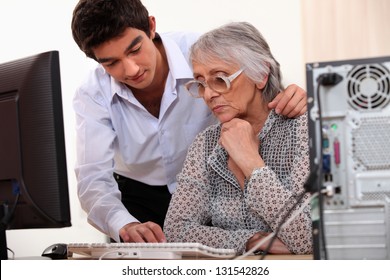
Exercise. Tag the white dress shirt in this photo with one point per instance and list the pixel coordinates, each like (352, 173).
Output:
(115, 133)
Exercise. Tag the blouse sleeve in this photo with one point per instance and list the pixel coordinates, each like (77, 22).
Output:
(266, 194)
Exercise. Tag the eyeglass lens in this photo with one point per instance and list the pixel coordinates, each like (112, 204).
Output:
(218, 84)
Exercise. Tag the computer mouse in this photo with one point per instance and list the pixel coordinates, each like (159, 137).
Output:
(56, 251)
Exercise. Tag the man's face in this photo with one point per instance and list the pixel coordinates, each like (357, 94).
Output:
(130, 59)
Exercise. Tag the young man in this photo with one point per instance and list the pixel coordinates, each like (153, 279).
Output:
(135, 120)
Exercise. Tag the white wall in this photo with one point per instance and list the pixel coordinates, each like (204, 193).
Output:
(345, 29)
(29, 27)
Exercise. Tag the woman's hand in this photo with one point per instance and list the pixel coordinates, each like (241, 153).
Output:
(242, 145)
(278, 247)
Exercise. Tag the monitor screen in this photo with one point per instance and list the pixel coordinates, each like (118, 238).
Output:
(33, 172)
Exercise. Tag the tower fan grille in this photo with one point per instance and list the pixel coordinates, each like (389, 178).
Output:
(368, 87)
(370, 143)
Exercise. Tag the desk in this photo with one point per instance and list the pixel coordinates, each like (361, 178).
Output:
(254, 257)
(281, 257)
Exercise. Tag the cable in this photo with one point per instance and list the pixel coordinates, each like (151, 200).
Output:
(326, 79)
(9, 213)
(282, 224)
(12, 252)
(320, 80)
(5, 220)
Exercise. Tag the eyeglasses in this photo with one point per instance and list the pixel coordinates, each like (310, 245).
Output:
(220, 84)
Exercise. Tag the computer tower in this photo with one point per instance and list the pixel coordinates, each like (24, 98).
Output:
(349, 129)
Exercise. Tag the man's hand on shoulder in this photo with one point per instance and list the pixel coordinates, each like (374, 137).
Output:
(142, 232)
(292, 102)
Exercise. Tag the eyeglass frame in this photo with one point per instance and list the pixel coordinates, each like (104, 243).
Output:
(227, 79)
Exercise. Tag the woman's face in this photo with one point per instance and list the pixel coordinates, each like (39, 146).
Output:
(243, 99)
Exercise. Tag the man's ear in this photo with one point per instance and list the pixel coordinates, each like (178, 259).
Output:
(262, 84)
(152, 27)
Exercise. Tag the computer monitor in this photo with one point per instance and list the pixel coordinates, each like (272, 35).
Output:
(33, 172)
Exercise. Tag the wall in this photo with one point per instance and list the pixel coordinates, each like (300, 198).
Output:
(345, 29)
(278, 20)
(30, 27)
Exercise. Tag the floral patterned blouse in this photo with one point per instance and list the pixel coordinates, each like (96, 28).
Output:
(209, 194)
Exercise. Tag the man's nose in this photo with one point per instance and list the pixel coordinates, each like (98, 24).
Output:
(131, 68)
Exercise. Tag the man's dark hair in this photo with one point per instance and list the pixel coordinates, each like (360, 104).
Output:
(97, 21)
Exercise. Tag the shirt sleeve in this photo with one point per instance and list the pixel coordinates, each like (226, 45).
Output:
(189, 214)
(97, 189)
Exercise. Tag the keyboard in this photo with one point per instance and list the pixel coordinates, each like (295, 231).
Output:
(146, 251)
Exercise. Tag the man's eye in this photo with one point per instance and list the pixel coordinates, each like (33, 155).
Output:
(111, 64)
(135, 51)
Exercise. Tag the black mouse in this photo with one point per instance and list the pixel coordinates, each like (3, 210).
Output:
(57, 251)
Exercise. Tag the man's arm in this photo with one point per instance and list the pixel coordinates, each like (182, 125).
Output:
(292, 102)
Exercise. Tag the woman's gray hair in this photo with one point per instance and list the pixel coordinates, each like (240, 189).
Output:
(240, 43)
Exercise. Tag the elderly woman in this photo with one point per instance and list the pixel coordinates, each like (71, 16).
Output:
(241, 176)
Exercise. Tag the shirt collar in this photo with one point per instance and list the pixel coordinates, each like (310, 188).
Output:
(179, 65)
